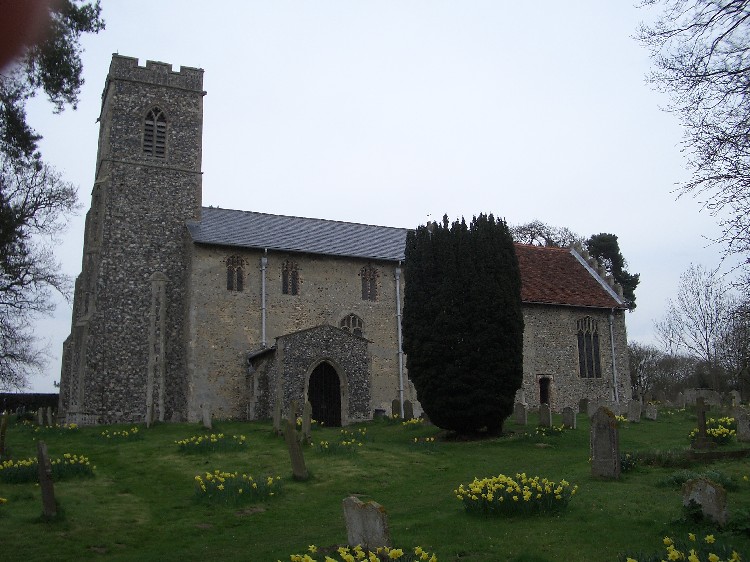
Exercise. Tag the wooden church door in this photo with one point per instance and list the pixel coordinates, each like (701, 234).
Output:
(324, 394)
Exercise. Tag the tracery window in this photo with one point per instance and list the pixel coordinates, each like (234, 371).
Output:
(589, 362)
(155, 134)
(369, 277)
(352, 323)
(289, 278)
(235, 273)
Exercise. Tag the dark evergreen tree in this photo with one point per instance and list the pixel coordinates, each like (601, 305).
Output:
(606, 249)
(462, 322)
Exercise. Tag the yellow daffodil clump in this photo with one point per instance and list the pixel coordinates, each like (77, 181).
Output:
(503, 495)
(348, 442)
(235, 487)
(694, 550)
(25, 470)
(357, 553)
(125, 435)
(211, 443)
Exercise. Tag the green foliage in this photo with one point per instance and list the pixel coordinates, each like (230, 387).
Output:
(234, 488)
(462, 322)
(606, 249)
(677, 479)
(212, 443)
(706, 548)
(27, 470)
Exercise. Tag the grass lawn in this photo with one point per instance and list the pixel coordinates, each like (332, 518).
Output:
(141, 503)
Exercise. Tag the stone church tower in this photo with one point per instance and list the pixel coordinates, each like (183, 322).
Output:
(125, 357)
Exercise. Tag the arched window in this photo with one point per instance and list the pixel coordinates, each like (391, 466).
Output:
(352, 323)
(289, 278)
(155, 134)
(589, 363)
(235, 273)
(369, 277)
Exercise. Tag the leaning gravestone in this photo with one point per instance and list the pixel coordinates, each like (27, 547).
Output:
(583, 406)
(634, 411)
(651, 412)
(277, 417)
(701, 441)
(396, 408)
(307, 423)
(49, 507)
(408, 410)
(299, 470)
(545, 415)
(520, 415)
(366, 524)
(743, 427)
(569, 417)
(709, 496)
(605, 445)
(206, 416)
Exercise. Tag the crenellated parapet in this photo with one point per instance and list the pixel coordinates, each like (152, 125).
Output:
(155, 72)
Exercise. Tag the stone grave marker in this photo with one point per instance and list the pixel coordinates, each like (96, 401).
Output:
(593, 406)
(520, 415)
(680, 400)
(48, 413)
(545, 415)
(206, 416)
(3, 429)
(735, 398)
(743, 427)
(651, 412)
(408, 410)
(299, 470)
(583, 406)
(40, 416)
(569, 417)
(277, 417)
(396, 408)
(49, 507)
(292, 414)
(307, 423)
(605, 445)
(701, 441)
(709, 496)
(366, 524)
(634, 411)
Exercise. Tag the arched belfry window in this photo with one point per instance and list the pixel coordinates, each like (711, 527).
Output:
(155, 134)
(369, 277)
(235, 273)
(289, 278)
(589, 362)
(352, 323)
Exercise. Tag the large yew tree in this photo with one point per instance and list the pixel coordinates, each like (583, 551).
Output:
(462, 322)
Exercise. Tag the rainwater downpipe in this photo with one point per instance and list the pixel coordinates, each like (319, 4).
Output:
(400, 348)
(612, 342)
(263, 266)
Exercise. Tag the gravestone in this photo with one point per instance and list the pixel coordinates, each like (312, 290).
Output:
(292, 414)
(521, 396)
(48, 413)
(734, 398)
(277, 417)
(651, 412)
(40, 416)
(592, 408)
(743, 427)
(569, 417)
(583, 406)
(605, 445)
(701, 441)
(545, 415)
(396, 408)
(3, 429)
(307, 423)
(634, 411)
(299, 470)
(49, 507)
(408, 410)
(366, 524)
(709, 496)
(520, 415)
(206, 416)
(680, 400)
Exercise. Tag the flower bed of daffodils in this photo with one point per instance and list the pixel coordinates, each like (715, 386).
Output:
(348, 442)
(522, 495)
(234, 487)
(27, 470)
(131, 434)
(720, 431)
(354, 554)
(707, 549)
(212, 443)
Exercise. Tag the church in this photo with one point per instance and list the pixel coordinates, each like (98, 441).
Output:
(181, 308)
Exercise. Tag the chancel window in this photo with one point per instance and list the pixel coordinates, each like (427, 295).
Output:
(289, 278)
(155, 134)
(589, 362)
(369, 277)
(235, 273)
(352, 323)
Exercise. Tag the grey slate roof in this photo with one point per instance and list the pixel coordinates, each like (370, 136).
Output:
(246, 229)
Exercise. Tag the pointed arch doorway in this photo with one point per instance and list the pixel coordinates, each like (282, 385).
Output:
(324, 394)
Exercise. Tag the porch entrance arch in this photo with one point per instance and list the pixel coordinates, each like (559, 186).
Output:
(324, 394)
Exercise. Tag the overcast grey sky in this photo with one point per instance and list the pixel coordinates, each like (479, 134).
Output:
(396, 112)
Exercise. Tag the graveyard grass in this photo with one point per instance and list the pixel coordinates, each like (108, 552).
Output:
(141, 503)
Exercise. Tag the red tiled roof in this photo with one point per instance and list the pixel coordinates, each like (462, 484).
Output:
(555, 276)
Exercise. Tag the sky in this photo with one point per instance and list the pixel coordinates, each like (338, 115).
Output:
(396, 112)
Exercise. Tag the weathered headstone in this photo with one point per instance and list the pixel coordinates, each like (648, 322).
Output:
(521, 396)
(743, 427)
(634, 411)
(292, 414)
(651, 412)
(277, 417)
(545, 415)
(605, 445)
(569, 417)
(49, 507)
(3, 429)
(206, 416)
(40, 416)
(709, 496)
(408, 410)
(307, 423)
(735, 398)
(583, 406)
(48, 413)
(680, 400)
(366, 524)
(395, 408)
(299, 470)
(701, 440)
(520, 415)
(593, 406)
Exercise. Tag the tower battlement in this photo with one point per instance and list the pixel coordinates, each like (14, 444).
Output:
(155, 72)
